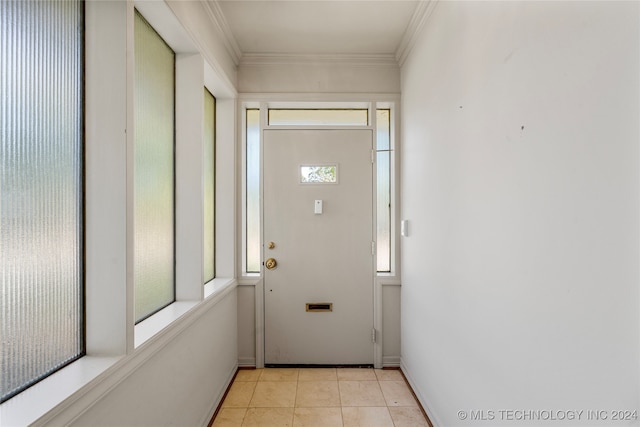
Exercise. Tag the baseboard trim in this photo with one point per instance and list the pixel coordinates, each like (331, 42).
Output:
(426, 416)
(247, 361)
(407, 379)
(224, 395)
(302, 365)
(392, 361)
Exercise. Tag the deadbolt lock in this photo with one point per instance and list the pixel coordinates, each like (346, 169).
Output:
(271, 245)
(271, 264)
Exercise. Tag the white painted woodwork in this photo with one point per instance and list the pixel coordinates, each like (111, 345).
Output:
(178, 379)
(179, 373)
(189, 165)
(246, 324)
(390, 323)
(321, 257)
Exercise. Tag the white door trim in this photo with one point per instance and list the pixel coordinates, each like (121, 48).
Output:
(261, 101)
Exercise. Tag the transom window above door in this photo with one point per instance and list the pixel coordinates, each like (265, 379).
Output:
(318, 117)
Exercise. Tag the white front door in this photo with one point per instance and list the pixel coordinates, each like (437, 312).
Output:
(322, 237)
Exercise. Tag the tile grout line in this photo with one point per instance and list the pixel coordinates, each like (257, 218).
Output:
(385, 399)
(295, 400)
(340, 398)
(251, 398)
(379, 381)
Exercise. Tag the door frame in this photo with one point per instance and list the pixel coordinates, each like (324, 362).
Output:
(372, 103)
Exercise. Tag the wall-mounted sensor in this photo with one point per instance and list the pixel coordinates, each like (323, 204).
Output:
(317, 207)
(404, 227)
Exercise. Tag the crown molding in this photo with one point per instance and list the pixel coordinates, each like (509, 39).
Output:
(217, 17)
(421, 15)
(423, 11)
(356, 60)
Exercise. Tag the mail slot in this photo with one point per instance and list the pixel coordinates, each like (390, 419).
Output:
(319, 306)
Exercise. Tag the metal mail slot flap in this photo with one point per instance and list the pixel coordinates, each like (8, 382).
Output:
(319, 306)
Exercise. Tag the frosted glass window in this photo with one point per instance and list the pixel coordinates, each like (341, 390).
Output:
(253, 191)
(383, 167)
(41, 186)
(154, 261)
(209, 186)
(315, 117)
(383, 135)
(320, 174)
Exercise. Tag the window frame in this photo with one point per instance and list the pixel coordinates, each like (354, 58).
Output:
(388, 150)
(81, 238)
(114, 344)
(317, 121)
(258, 209)
(213, 260)
(162, 305)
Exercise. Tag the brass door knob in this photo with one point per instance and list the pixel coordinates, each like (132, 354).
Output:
(271, 264)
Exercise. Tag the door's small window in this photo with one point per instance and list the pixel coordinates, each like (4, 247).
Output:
(319, 174)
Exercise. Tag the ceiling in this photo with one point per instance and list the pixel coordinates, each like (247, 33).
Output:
(315, 27)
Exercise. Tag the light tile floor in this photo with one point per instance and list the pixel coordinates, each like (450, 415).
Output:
(319, 397)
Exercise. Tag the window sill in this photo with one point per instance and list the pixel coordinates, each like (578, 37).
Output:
(249, 280)
(63, 386)
(82, 381)
(216, 286)
(152, 326)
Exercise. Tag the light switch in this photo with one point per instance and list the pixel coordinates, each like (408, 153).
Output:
(318, 207)
(404, 227)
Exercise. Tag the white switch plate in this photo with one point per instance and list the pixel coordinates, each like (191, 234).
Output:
(404, 227)
(318, 207)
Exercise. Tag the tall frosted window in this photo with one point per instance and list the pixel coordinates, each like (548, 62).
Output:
(153, 171)
(383, 163)
(41, 186)
(209, 186)
(253, 191)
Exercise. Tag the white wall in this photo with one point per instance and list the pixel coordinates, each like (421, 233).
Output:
(180, 385)
(281, 74)
(520, 184)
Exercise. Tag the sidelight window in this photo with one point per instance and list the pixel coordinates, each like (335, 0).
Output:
(253, 190)
(383, 197)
